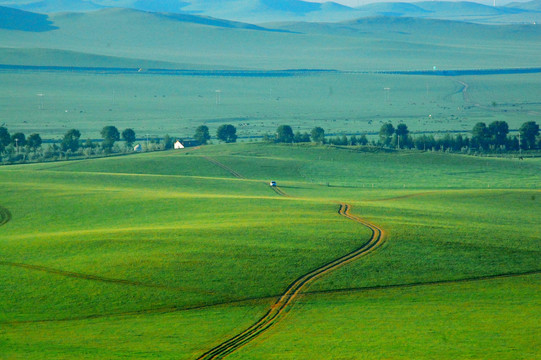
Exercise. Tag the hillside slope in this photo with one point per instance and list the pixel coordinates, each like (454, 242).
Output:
(13, 19)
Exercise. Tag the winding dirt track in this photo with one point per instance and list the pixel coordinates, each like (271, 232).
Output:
(293, 291)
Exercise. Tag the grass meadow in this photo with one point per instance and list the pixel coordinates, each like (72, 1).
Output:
(156, 105)
(165, 255)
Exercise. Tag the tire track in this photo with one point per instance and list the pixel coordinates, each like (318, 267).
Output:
(286, 300)
(240, 176)
(225, 167)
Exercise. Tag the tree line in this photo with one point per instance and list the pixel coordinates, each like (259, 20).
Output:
(493, 137)
(17, 147)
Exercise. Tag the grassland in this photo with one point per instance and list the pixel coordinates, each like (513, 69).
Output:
(340, 103)
(165, 255)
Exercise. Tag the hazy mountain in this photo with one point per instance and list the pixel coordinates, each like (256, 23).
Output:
(168, 6)
(141, 39)
(14, 19)
(52, 6)
(393, 9)
(534, 5)
(463, 8)
(264, 11)
(271, 10)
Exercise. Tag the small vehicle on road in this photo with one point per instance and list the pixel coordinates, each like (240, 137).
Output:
(273, 183)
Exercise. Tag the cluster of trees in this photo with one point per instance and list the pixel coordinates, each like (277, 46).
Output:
(226, 133)
(285, 134)
(494, 137)
(18, 147)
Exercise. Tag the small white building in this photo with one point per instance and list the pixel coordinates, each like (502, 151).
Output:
(178, 145)
(138, 148)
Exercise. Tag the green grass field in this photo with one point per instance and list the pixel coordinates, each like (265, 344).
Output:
(165, 255)
(339, 103)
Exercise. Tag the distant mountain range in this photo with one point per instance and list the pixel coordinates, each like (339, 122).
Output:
(262, 11)
(126, 37)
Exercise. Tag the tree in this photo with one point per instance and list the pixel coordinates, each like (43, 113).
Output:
(363, 140)
(71, 140)
(227, 133)
(202, 134)
(129, 137)
(18, 139)
(301, 137)
(318, 135)
(402, 135)
(498, 130)
(284, 134)
(89, 144)
(5, 138)
(481, 135)
(109, 134)
(528, 131)
(385, 133)
(34, 141)
(167, 142)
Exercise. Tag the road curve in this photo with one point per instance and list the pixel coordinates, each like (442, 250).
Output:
(292, 292)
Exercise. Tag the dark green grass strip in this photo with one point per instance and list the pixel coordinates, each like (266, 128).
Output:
(5, 216)
(94, 277)
(174, 308)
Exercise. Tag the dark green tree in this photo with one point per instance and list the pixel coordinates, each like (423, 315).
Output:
(34, 141)
(109, 134)
(167, 142)
(284, 134)
(402, 135)
(18, 139)
(89, 144)
(227, 133)
(362, 140)
(202, 134)
(5, 138)
(128, 136)
(318, 135)
(498, 131)
(301, 137)
(528, 132)
(385, 133)
(481, 135)
(71, 140)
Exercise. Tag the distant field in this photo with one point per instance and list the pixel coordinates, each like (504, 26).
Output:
(165, 255)
(340, 103)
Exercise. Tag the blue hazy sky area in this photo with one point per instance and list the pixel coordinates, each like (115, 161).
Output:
(354, 3)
